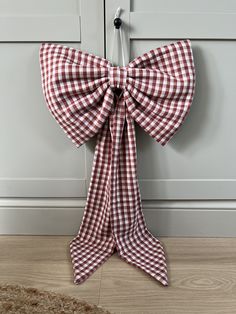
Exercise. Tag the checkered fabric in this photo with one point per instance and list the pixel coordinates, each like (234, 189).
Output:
(87, 96)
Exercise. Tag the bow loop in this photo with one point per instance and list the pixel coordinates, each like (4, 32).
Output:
(160, 87)
(76, 89)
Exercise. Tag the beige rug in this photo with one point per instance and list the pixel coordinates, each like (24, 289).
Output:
(16, 299)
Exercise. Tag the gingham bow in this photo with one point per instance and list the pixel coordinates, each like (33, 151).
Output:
(81, 92)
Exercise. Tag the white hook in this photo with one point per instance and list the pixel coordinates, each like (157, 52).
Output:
(118, 11)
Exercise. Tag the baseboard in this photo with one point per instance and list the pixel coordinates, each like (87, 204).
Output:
(164, 218)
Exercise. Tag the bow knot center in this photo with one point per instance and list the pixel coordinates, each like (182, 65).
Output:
(117, 77)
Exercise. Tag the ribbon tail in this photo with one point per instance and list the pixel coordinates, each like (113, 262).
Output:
(134, 243)
(113, 218)
(94, 243)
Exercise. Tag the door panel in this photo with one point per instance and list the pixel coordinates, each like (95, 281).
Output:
(37, 159)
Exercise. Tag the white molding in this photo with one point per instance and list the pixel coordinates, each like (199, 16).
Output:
(42, 187)
(58, 28)
(58, 216)
(150, 204)
(191, 189)
(221, 25)
(190, 204)
(92, 26)
(42, 202)
(161, 189)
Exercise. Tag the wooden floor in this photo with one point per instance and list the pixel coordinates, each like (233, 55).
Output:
(202, 275)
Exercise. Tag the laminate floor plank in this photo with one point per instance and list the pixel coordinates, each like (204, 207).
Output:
(202, 274)
(44, 262)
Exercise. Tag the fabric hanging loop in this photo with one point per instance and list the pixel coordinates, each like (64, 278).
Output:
(157, 92)
(118, 29)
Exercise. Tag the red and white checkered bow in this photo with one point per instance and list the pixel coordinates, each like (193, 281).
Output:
(80, 90)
